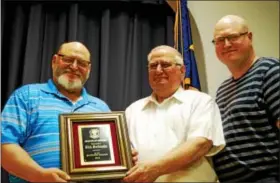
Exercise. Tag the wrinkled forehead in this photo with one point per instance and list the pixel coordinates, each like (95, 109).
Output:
(75, 51)
(163, 55)
(228, 27)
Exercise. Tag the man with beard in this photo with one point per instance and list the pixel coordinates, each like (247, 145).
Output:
(250, 106)
(30, 127)
(173, 130)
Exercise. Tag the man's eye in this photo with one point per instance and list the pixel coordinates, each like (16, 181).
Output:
(68, 60)
(82, 64)
(165, 65)
(220, 39)
(153, 66)
(234, 36)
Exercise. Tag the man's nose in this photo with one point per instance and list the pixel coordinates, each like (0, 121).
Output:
(74, 64)
(227, 43)
(159, 68)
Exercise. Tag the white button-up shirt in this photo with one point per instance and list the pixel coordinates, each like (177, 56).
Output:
(156, 128)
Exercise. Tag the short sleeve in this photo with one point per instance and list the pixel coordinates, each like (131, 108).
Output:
(205, 121)
(106, 108)
(271, 90)
(14, 117)
(103, 105)
(127, 114)
(127, 117)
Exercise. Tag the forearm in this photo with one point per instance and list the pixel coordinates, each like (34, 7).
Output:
(18, 162)
(278, 124)
(184, 155)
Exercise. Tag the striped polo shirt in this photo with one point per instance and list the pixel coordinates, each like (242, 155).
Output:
(250, 107)
(30, 119)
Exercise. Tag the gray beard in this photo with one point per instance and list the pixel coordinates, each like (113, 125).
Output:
(69, 86)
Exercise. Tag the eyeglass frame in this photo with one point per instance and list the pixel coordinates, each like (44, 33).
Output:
(230, 37)
(85, 62)
(163, 68)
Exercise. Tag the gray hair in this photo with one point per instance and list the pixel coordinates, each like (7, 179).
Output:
(165, 50)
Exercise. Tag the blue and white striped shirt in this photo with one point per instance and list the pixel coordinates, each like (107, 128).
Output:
(250, 107)
(30, 119)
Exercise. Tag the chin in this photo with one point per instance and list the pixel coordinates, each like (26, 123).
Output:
(230, 60)
(69, 84)
(161, 81)
(159, 86)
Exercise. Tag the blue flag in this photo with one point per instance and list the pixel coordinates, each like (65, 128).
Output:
(184, 44)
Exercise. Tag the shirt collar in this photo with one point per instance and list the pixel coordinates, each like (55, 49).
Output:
(178, 95)
(51, 88)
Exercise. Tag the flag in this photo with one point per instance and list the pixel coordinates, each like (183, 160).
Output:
(183, 43)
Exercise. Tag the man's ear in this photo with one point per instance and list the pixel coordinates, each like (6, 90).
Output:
(250, 36)
(89, 69)
(183, 68)
(183, 71)
(54, 60)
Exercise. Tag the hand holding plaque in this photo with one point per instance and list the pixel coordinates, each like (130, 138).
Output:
(95, 146)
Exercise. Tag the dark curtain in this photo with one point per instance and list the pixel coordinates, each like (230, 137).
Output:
(119, 35)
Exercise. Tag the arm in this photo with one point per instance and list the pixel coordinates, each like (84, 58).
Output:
(271, 92)
(182, 156)
(18, 162)
(15, 131)
(203, 129)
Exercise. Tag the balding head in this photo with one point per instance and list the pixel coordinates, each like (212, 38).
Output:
(166, 52)
(233, 42)
(75, 49)
(71, 66)
(166, 71)
(235, 22)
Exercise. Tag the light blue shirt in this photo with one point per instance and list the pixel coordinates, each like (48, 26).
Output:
(30, 119)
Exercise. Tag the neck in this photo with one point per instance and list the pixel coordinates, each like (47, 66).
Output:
(73, 95)
(238, 71)
(160, 97)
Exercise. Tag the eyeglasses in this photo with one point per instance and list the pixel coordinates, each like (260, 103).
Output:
(164, 65)
(231, 38)
(70, 60)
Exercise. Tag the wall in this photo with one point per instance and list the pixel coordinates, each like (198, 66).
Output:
(263, 20)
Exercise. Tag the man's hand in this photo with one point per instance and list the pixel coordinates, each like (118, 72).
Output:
(278, 124)
(134, 154)
(143, 172)
(19, 163)
(51, 175)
